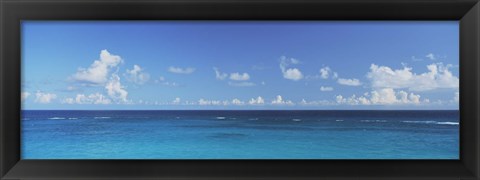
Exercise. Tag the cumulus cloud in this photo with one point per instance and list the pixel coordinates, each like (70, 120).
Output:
(96, 98)
(290, 73)
(68, 101)
(241, 84)
(179, 70)
(137, 75)
(204, 102)
(431, 56)
(219, 75)
(385, 96)
(326, 72)
(237, 102)
(97, 73)
(279, 101)
(315, 103)
(239, 77)
(349, 82)
(44, 98)
(326, 88)
(115, 89)
(439, 76)
(24, 96)
(176, 101)
(258, 101)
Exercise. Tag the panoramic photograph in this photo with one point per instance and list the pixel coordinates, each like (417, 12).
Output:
(240, 90)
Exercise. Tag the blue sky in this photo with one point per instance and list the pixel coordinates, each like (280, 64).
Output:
(240, 65)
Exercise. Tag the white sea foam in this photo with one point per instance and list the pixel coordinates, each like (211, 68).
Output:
(253, 119)
(373, 120)
(72, 118)
(339, 120)
(57, 118)
(420, 122)
(448, 123)
(220, 117)
(432, 122)
(296, 120)
(102, 117)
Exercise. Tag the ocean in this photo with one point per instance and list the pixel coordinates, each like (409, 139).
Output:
(322, 134)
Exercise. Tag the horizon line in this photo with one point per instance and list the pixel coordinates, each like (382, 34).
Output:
(240, 110)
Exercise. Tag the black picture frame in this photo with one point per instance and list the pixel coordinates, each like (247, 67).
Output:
(12, 12)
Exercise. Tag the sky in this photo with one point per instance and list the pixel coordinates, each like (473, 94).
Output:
(240, 65)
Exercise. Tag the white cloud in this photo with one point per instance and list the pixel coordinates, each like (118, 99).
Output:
(438, 76)
(431, 56)
(456, 97)
(335, 75)
(68, 101)
(96, 98)
(314, 103)
(24, 96)
(258, 101)
(71, 88)
(416, 59)
(239, 77)
(162, 81)
(176, 100)
(290, 73)
(349, 82)
(115, 89)
(241, 84)
(136, 75)
(204, 102)
(325, 72)
(237, 102)
(161, 78)
(98, 71)
(219, 75)
(326, 88)
(385, 96)
(172, 84)
(44, 98)
(279, 101)
(178, 70)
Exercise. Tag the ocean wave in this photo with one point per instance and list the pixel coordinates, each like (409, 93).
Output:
(253, 119)
(102, 117)
(72, 118)
(420, 122)
(296, 120)
(373, 120)
(339, 120)
(220, 117)
(432, 122)
(57, 118)
(448, 123)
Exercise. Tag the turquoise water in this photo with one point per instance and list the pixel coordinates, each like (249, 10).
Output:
(240, 135)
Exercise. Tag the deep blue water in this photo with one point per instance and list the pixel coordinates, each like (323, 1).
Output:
(240, 134)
